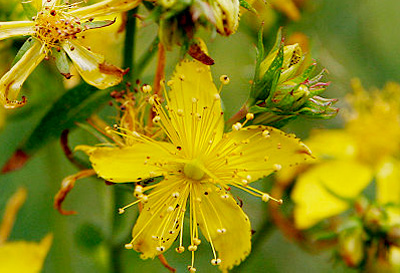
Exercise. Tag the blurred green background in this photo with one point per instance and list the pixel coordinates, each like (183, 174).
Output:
(351, 38)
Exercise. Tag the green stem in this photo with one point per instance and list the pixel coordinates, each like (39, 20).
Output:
(144, 60)
(129, 44)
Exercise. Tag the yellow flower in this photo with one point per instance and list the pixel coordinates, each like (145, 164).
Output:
(198, 164)
(56, 29)
(350, 158)
(20, 256)
(23, 256)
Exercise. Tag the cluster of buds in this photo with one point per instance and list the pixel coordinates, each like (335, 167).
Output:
(179, 19)
(369, 238)
(284, 88)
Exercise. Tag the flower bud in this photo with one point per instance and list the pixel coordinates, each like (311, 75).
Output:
(284, 88)
(351, 245)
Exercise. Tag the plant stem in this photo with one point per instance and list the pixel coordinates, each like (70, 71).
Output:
(144, 60)
(129, 44)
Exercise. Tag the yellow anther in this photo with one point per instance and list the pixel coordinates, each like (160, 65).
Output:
(237, 126)
(248, 177)
(152, 100)
(179, 112)
(170, 209)
(160, 248)
(217, 97)
(249, 116)
(180, 249)
(121, 211)
(156, 119)
(129, 246)
(182, 77)
(196, 241)
(224, 79)
(221, 230)
(245, 182)
(194, 100)
(139, 188)
(170, 82)
(135, 134)
(265, 197)
(225, 196)
(215, 261)
(191, 268)
(192, 248)
(277, 167)
(175, 194)
(266, 134)
(144, 198)
(147, 88)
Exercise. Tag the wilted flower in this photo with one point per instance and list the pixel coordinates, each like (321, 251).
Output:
(198, 164)
(56, 29)
(284, 88)
(179, 19)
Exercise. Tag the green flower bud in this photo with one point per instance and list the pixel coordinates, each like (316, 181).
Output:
(351, 244)
(283, 87)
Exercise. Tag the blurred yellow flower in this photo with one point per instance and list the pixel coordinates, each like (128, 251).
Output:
(20, 256)
(55, 30)
(349, 159)
(198, 164)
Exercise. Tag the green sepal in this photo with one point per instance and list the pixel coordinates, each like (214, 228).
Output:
(62, 63)
(246, 5)
(24, 48)
(98, 24)
(29, 9)
(264, 86)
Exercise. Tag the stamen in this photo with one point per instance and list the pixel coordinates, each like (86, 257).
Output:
(215, 261)
(237, 126)
(147, 88)
(180, 249)
(129, 246)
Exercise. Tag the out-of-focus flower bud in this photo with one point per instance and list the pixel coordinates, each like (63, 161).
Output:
(351, 243)
(284, 88)
(374, 219)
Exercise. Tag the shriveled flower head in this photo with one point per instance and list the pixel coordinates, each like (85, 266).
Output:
(198, 163)
(55, 30)
(180, 19)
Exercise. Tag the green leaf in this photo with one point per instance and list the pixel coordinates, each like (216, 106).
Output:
(24, 48)
(74, 106)
(62, 63)
(29, 8)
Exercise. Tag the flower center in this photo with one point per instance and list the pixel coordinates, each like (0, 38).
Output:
(194, 170)
(53, 26)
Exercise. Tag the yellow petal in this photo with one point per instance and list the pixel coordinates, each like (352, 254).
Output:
(127, 164)
(388, 182)
(92, 67)
(16, 28)
(256, 151)
(195, 108)
(24, 257)
(103, 8)
(214, 214)
(332, 144)
(321, 191)
(11, 82)
(161, 218)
